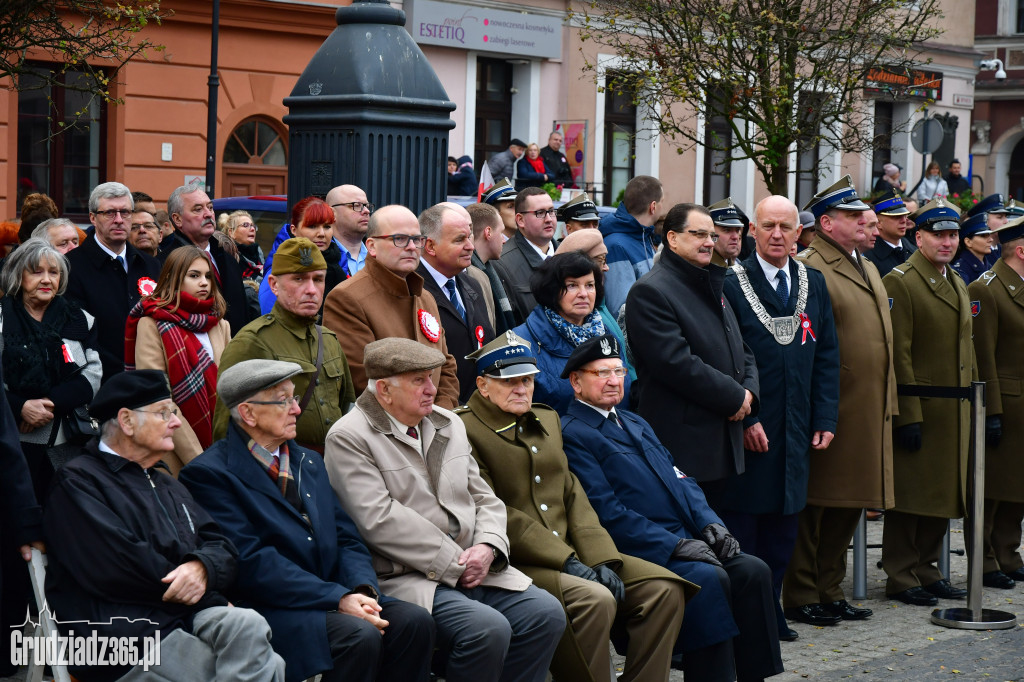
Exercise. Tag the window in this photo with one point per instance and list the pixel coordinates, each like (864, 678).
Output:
(255, 159)
(808, 149)
(1020, 16)
(883, 138)
(61, 141)
(619, 137)
(717, 149)
(493, 108)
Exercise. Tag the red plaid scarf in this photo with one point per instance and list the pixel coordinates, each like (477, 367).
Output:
(190, 369)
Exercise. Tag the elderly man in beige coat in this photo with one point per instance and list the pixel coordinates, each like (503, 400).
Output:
(403, 470)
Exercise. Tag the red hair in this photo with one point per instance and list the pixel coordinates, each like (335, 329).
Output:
(312, 211)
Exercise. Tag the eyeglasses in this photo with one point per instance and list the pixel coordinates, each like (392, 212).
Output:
(402, 240)
(286, 403)
(125, 213)
(356, 206)
(606, 373)
(143, 226)
(165, 414)
(703, 235)
(600, 260)
(542, 212)
(245, 225)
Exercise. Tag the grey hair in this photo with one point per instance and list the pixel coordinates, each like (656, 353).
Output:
(42, 230)
(175, 203)
(109, 429)
(30, 255)
(236, 416)
(432, 220)
(371, 385)
(109, 190)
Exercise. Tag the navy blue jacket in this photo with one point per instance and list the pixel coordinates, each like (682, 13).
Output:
(291, 572)
(647, 506)
(553, 351)
(799, 393)
(970, 266)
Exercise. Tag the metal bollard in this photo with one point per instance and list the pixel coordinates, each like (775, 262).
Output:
(860, 558)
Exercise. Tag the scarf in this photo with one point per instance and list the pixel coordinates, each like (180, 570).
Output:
(537, 164)
(279, 470)
(33, 359)
(190, 369)
(575, 334)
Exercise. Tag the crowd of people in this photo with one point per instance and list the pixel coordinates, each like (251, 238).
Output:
(450, 443)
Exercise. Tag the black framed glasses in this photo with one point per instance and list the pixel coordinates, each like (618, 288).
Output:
(543, 212)
(143, 226)
(402, 240)
(356, 206)
(125, 213)
(703, 235)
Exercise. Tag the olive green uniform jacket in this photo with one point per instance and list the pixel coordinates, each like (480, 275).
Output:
(931, 323)
(549, 515)
(998, 296)
(280, 335)
(856, 469)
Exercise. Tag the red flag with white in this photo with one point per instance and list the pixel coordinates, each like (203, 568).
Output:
(486, 181)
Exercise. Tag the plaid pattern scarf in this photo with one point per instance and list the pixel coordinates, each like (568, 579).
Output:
(190, 368)
(279, 469)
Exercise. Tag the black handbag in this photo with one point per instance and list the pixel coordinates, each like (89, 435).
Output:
(79, 426)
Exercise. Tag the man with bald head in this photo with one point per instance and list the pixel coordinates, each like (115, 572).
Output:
(387, 299)
(785, 316)
(351, 219)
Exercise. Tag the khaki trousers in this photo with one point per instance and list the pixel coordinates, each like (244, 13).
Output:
(1001, 536)
(818, 566)
(910, 550)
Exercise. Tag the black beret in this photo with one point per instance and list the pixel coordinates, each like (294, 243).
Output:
(598, 348)
(129, 389)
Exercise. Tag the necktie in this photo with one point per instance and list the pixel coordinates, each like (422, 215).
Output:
(120, 261)
(900, 257)
(450, 288)
(412, 433)
(614, 419)
(275, 469)
(782, 288)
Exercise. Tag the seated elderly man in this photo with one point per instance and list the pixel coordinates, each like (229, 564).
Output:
(402, 468)
(132, 554)
(655, 511)
(301, 562)
(555, 536)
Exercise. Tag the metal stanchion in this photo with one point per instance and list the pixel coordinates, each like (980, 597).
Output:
(860, 558)
(944, 553)
(974, 617)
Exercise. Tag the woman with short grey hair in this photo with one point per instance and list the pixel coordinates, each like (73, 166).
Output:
(48, 343)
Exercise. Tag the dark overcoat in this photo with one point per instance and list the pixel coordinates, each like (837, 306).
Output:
(884, 257)
(692, 366)
(932, 346)
(291, 581)
(997, 298)
(799, 392)
(648, 506)
(104, 290)
(516, 265)
(549, 515)
(463, 336)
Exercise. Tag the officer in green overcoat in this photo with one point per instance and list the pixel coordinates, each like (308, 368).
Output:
(932, 346)
(554, 534)
(997, 304)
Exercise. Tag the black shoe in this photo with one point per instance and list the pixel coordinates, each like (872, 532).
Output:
(915, 596)
(846, 611)
(788, 635)
(1017, 575)
(943, 590)
(997, 579)
(812, 614)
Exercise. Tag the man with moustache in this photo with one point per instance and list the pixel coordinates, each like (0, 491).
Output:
(730, 232)
(697, 379)
(192, 213)
(109, 275)
(892, 247)
(932, 345)
(785, 316)
(387, 299)
(352, 218)
(856, 470)
(289, 333)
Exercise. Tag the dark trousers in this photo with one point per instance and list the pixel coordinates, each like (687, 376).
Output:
(818, 565)
(1001, 535)
(361, 654)
(910, 550)
(754, 653)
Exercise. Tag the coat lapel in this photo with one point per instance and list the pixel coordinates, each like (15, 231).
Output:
(1009, 278)
(245, 467)
(940, 285)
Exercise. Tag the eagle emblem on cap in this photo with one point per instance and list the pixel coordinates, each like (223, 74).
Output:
(939, 204)
(511, 338)
(305, 256)
(606, 347)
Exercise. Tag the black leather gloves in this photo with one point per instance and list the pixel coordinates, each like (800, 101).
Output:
(908, 436)
(721, 541)
(993, 430)
(691, 549)
(574, 566)
(610, 579)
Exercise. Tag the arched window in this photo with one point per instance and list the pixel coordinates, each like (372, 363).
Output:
(255, 159)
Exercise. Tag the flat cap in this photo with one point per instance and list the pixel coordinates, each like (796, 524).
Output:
(598, 348)
(588, 240)
(504, 357)
(725, 214)
(938, 215)
(297, 254)
(240, 382)
(131, 390)
(807, 220)
(578, 208)
(841, 195)
(394, 355)
(890, 203)
(500, 191)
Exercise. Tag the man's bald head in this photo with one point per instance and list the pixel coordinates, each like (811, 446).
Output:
(776, 202)
(349, 224)
(775, 229)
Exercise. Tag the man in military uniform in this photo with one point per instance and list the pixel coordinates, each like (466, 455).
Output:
(976, 256)
(502, 196)
(892, 247)
(289, 333)
(729, 227)
(856, 470)
(931, 323)
(997, 304)
(579, 213)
